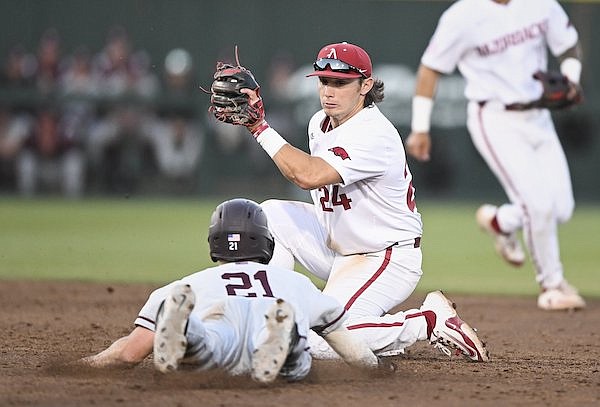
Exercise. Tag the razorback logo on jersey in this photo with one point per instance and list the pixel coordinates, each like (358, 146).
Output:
(340, 152)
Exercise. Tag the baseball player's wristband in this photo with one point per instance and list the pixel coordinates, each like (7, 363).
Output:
(270, 141)
(261, 127)
(571, 68)
(421, 114)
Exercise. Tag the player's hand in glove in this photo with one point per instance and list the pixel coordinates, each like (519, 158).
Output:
(558, 92)
(235, 97)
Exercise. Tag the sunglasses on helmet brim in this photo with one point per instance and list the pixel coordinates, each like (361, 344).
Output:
(336, 66)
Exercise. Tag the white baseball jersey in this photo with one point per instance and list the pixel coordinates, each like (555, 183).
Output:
(251, 280)
(497, 47)
(347, 237)
(374, 206)
(227, 322)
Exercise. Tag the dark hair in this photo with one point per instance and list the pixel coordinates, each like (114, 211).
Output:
(375, 95)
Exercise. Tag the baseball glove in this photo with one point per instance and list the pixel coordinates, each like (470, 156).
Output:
(227, 103)
(558, 92)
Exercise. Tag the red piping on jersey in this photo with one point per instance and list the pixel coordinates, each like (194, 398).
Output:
(326, 125)
(383, 324)
(386, 261)
(508, 180)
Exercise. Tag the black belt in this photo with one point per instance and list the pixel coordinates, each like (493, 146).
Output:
(515, 106)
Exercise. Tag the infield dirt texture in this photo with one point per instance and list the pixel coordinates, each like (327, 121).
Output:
(538, 358)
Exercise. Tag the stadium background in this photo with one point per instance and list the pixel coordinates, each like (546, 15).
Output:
(267, 32)
(73, 273)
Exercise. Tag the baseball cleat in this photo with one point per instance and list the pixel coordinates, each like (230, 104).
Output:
(507, 245)
(170, 342)
(448, 332)
(269, 357)
(563, 297)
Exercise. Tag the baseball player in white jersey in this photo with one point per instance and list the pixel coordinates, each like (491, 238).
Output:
(497, 46)
(362, 233)
(242, 316)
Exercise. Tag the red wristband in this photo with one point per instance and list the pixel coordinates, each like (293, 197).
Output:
(262, 127)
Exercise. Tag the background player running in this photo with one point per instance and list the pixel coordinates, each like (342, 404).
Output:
(498, 45)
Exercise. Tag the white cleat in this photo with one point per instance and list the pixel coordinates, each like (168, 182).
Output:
(452, 333)
(269, 357)
(507, 245)
(563, 297)
(170, 342)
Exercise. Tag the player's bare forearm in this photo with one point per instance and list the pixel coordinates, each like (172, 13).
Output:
(418, 143)
(304, 170)
(109, 356)
(427, 80)
(297, 166)
(354, 351)
(124, 352)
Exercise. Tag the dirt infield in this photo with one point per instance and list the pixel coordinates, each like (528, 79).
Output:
(538, 359)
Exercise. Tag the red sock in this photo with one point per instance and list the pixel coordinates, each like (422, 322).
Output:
(430, 319)
(496, 226)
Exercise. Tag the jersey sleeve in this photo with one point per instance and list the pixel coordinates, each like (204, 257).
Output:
(447, 44)
(147, 316)
(561, 34)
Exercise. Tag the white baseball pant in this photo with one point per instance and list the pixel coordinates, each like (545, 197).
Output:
(227, 338)
(368, 285)
(524, 152)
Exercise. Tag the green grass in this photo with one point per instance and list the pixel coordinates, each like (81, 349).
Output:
(457, 256)
(106, 240)
(159, 240)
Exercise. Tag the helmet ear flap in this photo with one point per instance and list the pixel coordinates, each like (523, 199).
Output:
(269, 247)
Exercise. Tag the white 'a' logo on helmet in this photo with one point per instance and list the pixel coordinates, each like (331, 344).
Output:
(332, 54)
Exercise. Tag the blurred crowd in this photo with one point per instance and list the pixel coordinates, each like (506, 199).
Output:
(83, 121)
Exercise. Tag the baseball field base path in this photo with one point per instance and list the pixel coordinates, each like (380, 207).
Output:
(538, 358)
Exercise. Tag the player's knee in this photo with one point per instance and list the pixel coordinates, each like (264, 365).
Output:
(565, 211)
(272, 209)
(541, 214)
(546, 213)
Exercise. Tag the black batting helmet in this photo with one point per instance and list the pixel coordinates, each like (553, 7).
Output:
(238, 231)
